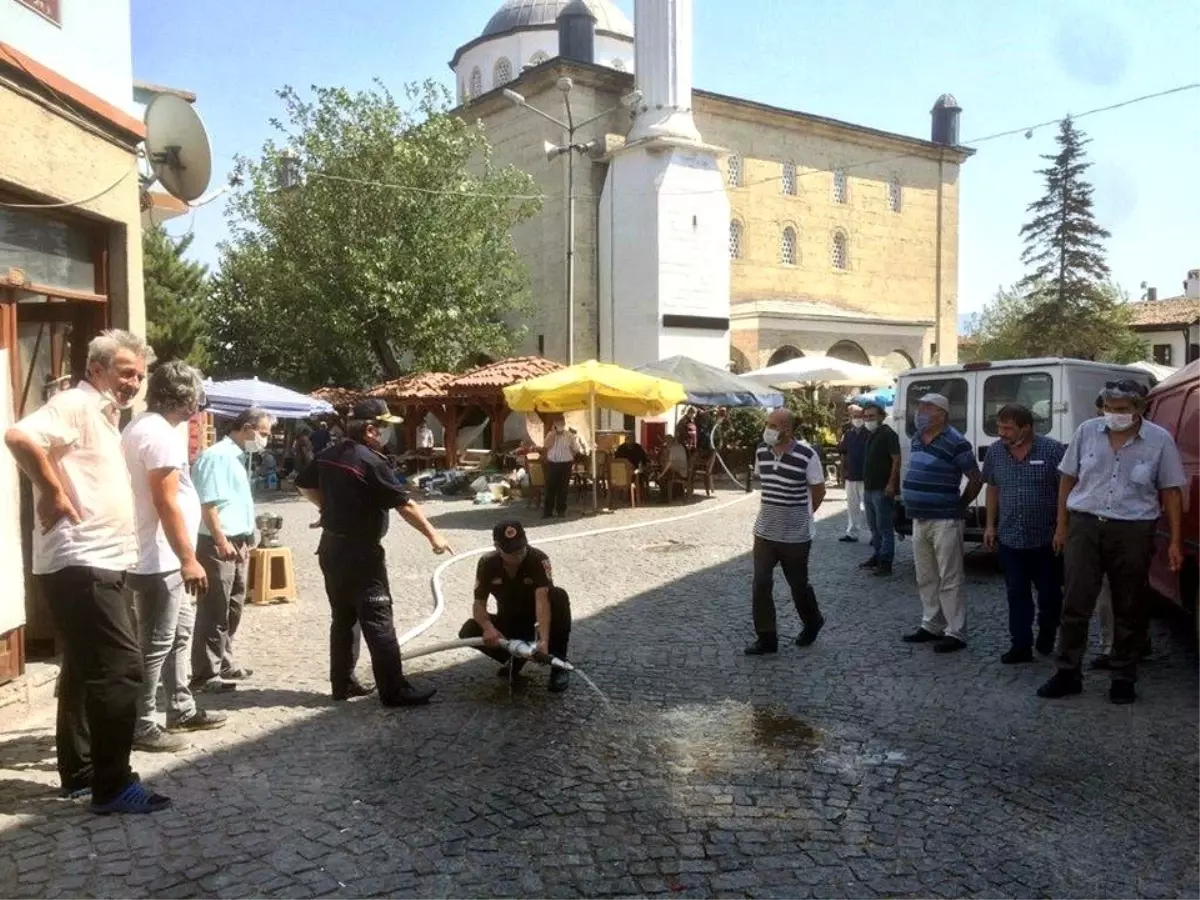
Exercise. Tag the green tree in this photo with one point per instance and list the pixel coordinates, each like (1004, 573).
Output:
(176, 290)
(394, 253)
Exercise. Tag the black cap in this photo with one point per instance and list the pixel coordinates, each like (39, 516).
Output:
(509, 536)
(374, 410)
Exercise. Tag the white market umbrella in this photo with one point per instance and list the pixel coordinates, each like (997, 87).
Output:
(812, 370)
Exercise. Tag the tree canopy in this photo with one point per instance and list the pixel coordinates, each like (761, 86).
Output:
(393, 254)
(176, 289)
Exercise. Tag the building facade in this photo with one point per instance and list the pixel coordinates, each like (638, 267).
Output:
(842, 239)
(70, 229)
(1170, 328)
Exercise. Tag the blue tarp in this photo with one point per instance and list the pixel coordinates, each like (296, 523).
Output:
(229, 398)
(709, 386)
(884, 395)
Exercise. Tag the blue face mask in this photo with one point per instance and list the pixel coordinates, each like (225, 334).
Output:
(921, 420)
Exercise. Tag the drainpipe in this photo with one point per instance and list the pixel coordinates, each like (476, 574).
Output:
(937, 286)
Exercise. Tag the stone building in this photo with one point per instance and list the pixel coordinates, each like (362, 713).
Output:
(839, 238)
(70, 226)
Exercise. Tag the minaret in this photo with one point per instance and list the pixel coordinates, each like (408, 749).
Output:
(664, 212)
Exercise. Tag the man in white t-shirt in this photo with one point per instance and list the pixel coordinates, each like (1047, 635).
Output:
(167, 511)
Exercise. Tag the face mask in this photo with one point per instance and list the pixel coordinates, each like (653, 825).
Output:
(871, 424)
(255, 444)
(385, 435)
(1118, 421)
(857, 423)
(921, 420)
(558, 429)
(770, 436)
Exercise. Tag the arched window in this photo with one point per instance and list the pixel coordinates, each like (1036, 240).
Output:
(734, 174)
(735, 239)
(894, 196)
(783, 354)
(897, 362)
(787, 184)
(476, 89)
(503, 73)
(538, 58)
(850, 352)
(619, 64)
(787, 246)
(738, 363)
(841, 189)
(840, 251)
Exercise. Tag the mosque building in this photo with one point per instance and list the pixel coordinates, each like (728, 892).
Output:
(718, 227)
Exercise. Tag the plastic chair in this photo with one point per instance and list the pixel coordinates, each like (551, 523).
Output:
(537, 480)
(271, 577)
(623, 480)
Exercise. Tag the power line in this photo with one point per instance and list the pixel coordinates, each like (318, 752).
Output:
(88, 199)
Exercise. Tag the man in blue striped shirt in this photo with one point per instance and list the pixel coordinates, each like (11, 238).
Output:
(793, 486)
(933, 495)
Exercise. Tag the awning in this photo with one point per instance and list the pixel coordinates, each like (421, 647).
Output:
(710, 386)
(230, 398)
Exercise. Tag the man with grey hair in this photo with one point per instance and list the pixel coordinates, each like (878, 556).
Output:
(223, 548)
(1119, 474)
(167, 512)
(83, 545)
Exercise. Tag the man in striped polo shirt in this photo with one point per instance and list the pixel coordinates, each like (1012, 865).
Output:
(793, 486)
(935, 499)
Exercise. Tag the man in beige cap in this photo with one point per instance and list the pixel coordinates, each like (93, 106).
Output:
(937, 502)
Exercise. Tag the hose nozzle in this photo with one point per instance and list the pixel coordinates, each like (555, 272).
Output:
(529, 650)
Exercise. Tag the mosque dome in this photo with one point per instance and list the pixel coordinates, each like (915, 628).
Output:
(517, 14)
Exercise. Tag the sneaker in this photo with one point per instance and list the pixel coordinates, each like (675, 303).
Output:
(135, 799)
(847, 539)
(1063, 683)
(560, 680)
(1017, 655)
(238, 674)
(883, 570)
(158, 741)
(1103, 662)
(200, 720)
(869, 563)
(1045, 641)
(765, 643)
(409, 695)
(354, 690)
(809, 634)
(213, 686)
(511, 669)
(949, 644)
(921, 636)
(1121, 692)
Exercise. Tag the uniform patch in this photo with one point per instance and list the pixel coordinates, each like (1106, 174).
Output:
(497, 581)
(529, 581)
(510, 532)
(549, 570)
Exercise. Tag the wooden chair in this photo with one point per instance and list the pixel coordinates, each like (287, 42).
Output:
(537, 480)
(623, 480)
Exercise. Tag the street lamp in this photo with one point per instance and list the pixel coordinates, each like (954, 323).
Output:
(569, 149)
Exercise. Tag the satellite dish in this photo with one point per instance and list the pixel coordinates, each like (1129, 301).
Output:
(177, 147)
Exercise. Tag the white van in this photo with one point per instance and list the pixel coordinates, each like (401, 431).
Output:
(1060, 392)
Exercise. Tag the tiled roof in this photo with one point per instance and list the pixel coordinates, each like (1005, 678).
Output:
(1170, 313)
(491, 378)
(337, 396)
(425, 386)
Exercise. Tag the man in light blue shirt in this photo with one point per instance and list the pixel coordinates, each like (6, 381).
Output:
(1119, 475)
(223, 548)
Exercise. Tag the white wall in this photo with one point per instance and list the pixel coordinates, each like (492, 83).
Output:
(519, 49)
(1172, 336)
(93, 47)
(12, 570)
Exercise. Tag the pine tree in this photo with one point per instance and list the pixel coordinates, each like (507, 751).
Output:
(176, 289)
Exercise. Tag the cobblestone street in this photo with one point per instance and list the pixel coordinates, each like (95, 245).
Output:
(861, 766)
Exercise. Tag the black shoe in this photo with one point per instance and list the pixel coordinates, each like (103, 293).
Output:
(200, 720)
(1017, 655)
(1062, 683)
(883, 570)
(1045, 641)
(846, 539)
(560, 680)
(511, 669)
(809, 634)
(949, 644)
(238, 674)
(1121, 692)
(766, 643)
(355, 690)
(921, 636)
(1103, 662)
(409, 695)
(213, 686)
(871, 563)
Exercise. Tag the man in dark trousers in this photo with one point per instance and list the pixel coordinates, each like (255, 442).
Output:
(528, 605)
(355, 489)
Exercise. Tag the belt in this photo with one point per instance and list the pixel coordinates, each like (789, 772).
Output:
(1088, 515)
(232, 538)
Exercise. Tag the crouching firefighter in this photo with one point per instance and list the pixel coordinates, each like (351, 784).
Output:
(355, 490)
(528, 605)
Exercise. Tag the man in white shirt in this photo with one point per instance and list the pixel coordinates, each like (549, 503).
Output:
(424, 437)
(562, 446)
(167, 510)
(82, 546)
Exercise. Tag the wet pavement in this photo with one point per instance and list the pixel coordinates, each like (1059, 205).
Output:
(860, 766)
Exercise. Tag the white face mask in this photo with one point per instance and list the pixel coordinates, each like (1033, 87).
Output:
(1118, 421)
(385, 435)
(256, 444)
(857, 423)
(770, 436)
(870, 424)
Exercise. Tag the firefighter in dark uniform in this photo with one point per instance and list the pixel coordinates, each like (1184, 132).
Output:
(355, 489)
(528, 605)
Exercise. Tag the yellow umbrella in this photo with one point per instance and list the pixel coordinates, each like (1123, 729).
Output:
(594, 384)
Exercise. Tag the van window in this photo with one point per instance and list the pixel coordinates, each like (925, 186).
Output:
(1033, 390)
(953, 389)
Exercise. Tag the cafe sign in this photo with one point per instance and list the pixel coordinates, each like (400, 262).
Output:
(51, 9)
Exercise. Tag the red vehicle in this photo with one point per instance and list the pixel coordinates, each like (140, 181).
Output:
(1175, 405)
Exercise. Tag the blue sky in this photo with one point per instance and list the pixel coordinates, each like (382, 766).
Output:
(880, 63)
